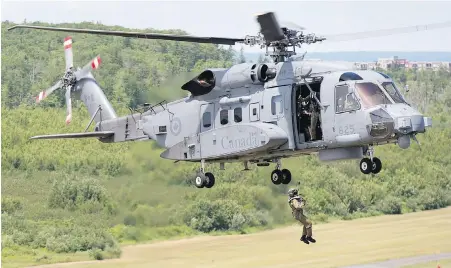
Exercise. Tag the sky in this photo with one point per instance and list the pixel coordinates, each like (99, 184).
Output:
(237, 19)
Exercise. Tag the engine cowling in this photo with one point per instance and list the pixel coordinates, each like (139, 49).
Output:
(237, 76)
(245, 74)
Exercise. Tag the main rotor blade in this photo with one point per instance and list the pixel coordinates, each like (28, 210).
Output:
(44, 94)
(68, 52)
(292, 26)
(386, 32)
(270, 28)
(172, 37)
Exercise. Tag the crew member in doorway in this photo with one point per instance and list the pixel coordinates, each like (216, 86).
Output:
(310, 116)
(304, 115)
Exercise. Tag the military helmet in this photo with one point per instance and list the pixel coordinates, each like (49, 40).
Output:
(292, 192)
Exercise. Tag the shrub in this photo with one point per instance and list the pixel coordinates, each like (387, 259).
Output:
(79, 193)
(96, 254)
(435, 198)
(218, 215)
(390, 205)
(10, 204)
(130, 220)
(62, 238)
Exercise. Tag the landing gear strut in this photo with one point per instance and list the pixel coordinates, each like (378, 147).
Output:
(204, 179)
(279, 176)
(372, 164)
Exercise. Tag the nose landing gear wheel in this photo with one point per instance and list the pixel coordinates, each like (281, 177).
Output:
(366, 166)
(376, 165)
(277, 177)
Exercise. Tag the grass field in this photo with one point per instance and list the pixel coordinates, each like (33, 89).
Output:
(339, 243)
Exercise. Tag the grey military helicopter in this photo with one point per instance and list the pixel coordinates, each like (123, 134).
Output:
(257, 113)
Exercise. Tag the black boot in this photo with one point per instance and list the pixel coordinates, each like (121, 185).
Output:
(304, 239)
(311, 239)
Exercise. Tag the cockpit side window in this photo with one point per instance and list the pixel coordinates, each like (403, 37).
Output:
(393, 92)
(345, 101)
(371, 94)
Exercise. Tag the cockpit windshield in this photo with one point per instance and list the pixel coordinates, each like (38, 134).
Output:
(393, 92)
(371, 94)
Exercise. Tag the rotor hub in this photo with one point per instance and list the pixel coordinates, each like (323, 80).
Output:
(69, 78)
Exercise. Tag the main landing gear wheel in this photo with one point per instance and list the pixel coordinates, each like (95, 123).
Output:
(276, 177)
(280, 176)
(286, 174)
(210, 180)
(204, 180)
(200, 181)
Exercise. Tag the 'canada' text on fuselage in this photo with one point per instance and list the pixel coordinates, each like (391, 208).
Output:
(240, 143)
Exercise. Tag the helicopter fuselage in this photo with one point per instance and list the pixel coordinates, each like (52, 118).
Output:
(259, 122)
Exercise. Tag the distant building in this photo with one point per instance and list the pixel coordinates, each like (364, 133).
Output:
(395, 62)
(366, 65)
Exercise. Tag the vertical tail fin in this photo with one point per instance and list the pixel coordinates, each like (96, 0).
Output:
(93, 97)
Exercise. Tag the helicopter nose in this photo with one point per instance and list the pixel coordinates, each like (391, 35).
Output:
(408, 127)
(412, 124)
(407, 120)
(403, 122)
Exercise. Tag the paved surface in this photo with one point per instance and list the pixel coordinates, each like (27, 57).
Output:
(404, 261)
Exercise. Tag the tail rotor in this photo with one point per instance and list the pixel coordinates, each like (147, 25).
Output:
(70, 77)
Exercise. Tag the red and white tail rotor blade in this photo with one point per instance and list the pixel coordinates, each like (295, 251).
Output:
(68, 106)
(44, 94)
(94, 64)
(68, 52)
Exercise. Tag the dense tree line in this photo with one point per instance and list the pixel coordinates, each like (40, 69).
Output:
(132, 70)
(81, 195)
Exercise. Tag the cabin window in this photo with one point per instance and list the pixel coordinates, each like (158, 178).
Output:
(238, 115)
(345, 101)
(276, 105)
(206, 119)
(224, 117)
(254, 111)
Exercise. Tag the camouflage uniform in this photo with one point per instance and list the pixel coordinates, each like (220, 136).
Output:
(314, 120)
(297, 206)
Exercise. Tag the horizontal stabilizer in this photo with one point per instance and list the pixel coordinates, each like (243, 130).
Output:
(98, 134)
